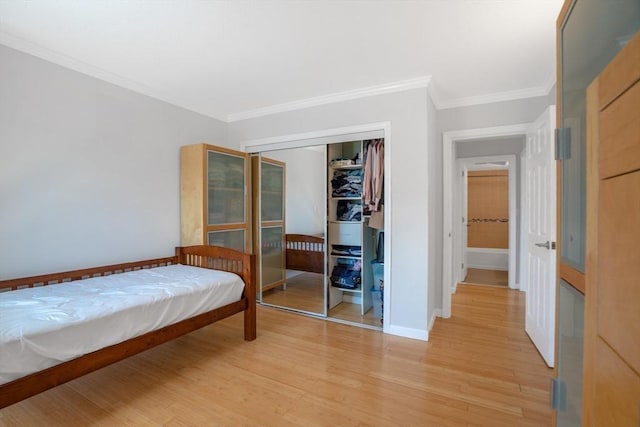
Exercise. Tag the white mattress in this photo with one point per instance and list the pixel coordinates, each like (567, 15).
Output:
(44, 326)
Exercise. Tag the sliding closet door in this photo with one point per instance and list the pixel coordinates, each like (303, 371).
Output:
(289, 217)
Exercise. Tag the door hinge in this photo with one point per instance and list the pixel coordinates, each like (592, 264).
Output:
(563, 143)
(462, 266)
(462, 173)
(558, 394)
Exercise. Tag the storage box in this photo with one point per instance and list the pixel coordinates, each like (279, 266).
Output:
(378, 288)
(378, 275)
(345, 233)
(377, 303)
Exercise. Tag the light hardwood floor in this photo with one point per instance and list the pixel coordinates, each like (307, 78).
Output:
(305, 291)
(478, 276)
(478, 369)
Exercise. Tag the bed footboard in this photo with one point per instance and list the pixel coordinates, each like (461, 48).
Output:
(233, 261)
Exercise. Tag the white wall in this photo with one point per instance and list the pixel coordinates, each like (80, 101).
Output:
(434, 237)
(407, 111)
(488, 258)
(89, 172)
(305, 188)
(496, 114)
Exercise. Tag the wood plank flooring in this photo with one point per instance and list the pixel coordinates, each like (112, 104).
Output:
(479, 276)
(305, 291)
(478, 369)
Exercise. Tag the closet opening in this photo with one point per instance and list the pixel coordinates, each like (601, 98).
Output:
(319, 216)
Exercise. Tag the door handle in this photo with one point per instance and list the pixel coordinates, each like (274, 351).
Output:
(548, 245)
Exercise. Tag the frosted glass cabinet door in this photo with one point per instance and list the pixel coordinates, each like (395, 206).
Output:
(226, 184)
(272, 254)
(233, 239)
(570, 346)
(591, 35)
(272, 192)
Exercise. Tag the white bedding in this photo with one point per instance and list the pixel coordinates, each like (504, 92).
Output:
(44, 326)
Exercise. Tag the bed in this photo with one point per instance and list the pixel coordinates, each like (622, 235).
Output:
(175, 295)
(305, 253)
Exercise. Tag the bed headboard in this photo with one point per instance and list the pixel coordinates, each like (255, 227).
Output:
(305, 253)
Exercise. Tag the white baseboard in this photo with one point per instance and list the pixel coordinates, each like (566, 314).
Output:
(488, 267)
(416, 334)
(488, 259)
(436, 313)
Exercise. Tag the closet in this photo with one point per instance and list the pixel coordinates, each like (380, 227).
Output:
(355, 172)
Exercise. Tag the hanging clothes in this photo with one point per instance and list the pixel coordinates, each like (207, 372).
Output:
(373, 181)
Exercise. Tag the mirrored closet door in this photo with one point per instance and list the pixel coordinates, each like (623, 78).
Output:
(289, 223)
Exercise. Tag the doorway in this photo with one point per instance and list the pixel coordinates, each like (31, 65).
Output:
(536, 229)
(488, 207)
(451, 271)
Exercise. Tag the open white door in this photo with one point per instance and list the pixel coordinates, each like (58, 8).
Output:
(540, 203)
(465, 224)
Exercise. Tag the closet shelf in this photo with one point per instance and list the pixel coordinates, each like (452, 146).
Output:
(346, 167)
(345, 256)
(355, 291)
(346, 198)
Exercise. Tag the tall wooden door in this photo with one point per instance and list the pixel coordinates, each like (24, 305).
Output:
(540, 205)
(612, 312)
(464, 229)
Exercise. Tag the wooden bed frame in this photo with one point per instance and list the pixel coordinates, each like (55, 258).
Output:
(305, 253)
(200, 256)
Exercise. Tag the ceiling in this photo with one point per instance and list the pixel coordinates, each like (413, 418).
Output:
(233, 59)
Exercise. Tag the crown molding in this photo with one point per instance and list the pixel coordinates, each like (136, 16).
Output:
(399, 86)
(432, 90)
(419, 82)
(96, 72)
(491, 98)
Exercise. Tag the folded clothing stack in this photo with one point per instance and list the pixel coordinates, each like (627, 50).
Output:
(346, 274)
(347, 183)
(349, 210)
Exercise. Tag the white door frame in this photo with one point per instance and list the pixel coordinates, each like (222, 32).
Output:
(471, 163)
(448, 179)
(335, 135)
